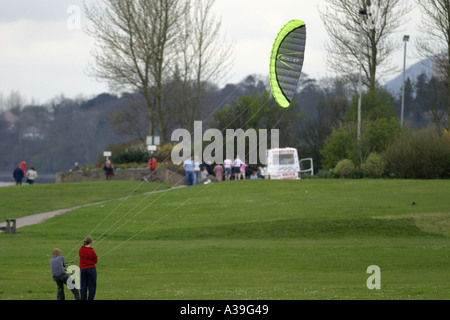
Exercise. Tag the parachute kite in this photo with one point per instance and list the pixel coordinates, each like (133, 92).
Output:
(286, 61)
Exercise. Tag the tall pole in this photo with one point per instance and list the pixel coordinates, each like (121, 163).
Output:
(405, 40)
(362, 12)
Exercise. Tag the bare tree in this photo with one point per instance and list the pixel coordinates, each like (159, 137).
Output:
(205, 58)
(434, 41)
(142, 45)
(136, 40)
(342, 22)
(15, 101)
(131, 119)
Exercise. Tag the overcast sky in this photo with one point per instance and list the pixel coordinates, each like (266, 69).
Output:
(44, 54)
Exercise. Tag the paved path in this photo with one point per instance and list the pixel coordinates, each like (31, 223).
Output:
(38, 218)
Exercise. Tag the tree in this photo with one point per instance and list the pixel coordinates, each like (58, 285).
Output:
(130, 118)
(136, 40)
(431, 99)
(342, 22)
(342, 143)
(260, 111)
(204, 61)
(14, 102)
(331, 110)
(142, 43)
(435, 41)
(377, 104)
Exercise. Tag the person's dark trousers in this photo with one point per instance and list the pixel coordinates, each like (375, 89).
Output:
(88, 281)
(61, 280)
(188, 175)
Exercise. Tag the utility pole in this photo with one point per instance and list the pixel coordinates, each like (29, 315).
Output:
(362, 12)
(405, 40)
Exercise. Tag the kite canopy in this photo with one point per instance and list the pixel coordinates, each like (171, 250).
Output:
(286, 61)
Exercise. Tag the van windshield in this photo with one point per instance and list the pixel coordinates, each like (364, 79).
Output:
(283, 159)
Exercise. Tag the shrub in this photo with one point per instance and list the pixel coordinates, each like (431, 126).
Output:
(422, 154)
(343, 168)
(131, 156)
(325, 174)
(376, 136)
(374, 166)
(357, 173)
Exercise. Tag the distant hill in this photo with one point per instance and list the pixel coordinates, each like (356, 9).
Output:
(394, 86)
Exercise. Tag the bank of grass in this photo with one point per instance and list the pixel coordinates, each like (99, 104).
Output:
(20, 201)
(308, 239)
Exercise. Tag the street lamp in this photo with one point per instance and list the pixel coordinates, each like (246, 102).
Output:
(362, 13)
(405, 40)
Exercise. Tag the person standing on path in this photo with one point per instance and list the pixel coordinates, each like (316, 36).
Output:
(88, 271)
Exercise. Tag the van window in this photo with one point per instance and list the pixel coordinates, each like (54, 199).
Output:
(283, 159)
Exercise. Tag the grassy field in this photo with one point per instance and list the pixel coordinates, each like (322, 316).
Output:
(290, 240)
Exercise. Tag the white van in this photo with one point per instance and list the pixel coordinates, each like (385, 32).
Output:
(283, 164)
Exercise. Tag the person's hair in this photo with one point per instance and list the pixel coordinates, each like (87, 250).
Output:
(87, 240)
(56, 252)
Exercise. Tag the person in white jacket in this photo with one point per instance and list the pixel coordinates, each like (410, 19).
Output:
(31, 175)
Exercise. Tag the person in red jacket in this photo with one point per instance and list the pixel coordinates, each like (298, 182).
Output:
(88, 272)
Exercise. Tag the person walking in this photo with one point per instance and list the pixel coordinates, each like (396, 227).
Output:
(31, 175)
(60, 275)
(88, 271)
(18, 175)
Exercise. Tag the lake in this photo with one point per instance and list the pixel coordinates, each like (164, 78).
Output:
(6, 179)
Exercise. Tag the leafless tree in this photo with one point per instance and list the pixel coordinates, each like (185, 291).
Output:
(434, 41)
(342, 22)
(205, 58)
(141, 44)
(15, 101)
(135, 41)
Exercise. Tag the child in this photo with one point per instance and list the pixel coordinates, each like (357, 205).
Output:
(60, 275)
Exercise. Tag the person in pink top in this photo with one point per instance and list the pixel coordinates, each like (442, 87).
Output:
(243, 169)
(218, 170)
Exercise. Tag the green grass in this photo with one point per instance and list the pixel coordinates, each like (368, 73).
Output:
(17, 202)
(308, 239)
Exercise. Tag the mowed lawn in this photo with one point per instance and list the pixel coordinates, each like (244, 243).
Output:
(289, 240)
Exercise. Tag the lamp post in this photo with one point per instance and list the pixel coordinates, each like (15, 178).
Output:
(362, 12)
(405, 40)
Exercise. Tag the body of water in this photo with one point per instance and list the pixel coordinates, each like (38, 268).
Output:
(6, 184)
(6, 179)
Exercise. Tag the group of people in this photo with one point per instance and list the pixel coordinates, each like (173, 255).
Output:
(196, 171)
(88, 272)
(20, 173)
(108, 168)
(192, 170)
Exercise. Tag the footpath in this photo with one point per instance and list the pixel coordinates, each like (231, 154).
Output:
(41, 217)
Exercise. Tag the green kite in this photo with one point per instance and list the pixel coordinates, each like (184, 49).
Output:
(286, 61)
